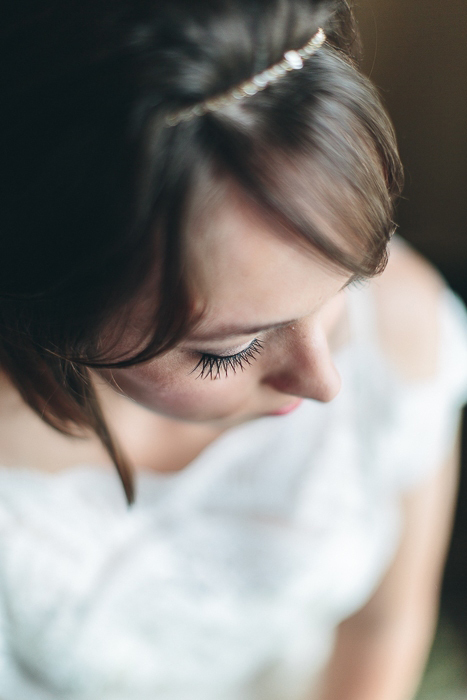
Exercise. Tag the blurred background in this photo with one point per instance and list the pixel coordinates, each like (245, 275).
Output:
(415, 51)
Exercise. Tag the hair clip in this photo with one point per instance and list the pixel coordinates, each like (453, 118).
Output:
(292, 60)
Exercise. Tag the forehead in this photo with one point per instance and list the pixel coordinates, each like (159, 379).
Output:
(248, 270)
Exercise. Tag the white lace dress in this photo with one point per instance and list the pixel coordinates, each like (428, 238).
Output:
(226, 580)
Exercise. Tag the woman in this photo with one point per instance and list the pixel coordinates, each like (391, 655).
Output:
(195, 195)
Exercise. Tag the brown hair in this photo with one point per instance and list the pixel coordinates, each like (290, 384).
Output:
(98, 184)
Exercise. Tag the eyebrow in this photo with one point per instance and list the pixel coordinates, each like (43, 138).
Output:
(231, 331)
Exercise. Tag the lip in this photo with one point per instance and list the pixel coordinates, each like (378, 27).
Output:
(288, 408)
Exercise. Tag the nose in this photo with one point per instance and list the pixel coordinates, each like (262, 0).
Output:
(304, 365)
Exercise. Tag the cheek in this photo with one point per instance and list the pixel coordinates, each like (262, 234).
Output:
(174, 392)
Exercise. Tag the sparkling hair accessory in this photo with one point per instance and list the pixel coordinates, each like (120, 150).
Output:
(292, 60)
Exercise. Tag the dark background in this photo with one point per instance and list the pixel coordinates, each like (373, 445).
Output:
(416, 53)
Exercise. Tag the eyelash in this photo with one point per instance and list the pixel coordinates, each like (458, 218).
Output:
(213, 366)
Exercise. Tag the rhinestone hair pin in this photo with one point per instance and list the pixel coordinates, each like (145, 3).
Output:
(292, 60)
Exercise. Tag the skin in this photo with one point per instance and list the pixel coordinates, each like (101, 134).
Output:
(248, 274)
(380, 651)
(294, 298)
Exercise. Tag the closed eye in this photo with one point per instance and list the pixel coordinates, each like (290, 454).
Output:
(213, 366)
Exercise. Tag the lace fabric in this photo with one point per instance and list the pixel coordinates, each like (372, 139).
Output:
(228, 579)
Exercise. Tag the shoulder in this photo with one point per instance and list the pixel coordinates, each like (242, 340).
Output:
(27, 441)
(408, 300)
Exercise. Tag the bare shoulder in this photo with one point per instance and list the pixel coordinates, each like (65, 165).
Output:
(407, 296)
(26, 441)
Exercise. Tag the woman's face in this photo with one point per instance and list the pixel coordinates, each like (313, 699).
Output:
(263, 343)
